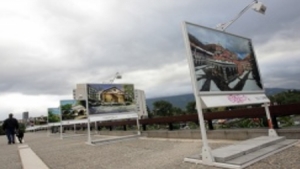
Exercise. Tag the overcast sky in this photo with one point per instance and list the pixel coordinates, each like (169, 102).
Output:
(49, 46)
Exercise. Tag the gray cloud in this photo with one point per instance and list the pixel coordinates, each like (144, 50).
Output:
(47, 47)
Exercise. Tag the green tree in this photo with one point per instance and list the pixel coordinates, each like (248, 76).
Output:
(129, 92)
(177, 111)
(150, 114)
(287, 97)
(191, 108)
(286, 121)
(66, 107)
(53, 117)
(162, 108)
(66, 111)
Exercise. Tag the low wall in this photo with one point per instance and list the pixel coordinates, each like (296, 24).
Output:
(232, 134)
(105, 132)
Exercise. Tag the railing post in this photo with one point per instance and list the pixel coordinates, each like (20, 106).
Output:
(170, 126)
(210, 125)
(144, 127)
(274, 121)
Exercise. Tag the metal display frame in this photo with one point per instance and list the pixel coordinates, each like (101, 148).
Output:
(53, 124)
(207, 157)
(68, 122)
(106, 117)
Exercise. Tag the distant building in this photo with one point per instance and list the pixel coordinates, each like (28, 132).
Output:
(80, 92)
(74, 94)
(25, 117)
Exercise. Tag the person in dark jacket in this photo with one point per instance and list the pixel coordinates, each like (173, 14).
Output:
(10, 125)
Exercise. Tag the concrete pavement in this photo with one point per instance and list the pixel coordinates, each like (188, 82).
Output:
(144, 153)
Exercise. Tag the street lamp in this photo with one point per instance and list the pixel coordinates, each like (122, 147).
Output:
(256, 6)
(116, 76)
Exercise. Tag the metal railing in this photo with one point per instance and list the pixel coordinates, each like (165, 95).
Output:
(275, 111)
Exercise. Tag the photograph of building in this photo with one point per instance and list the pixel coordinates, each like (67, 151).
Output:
(110, 98)
(222, 61)
(73, 109)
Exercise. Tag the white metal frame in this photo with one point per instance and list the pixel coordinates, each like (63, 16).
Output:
(207, 157)
(68, 122)
(89, 140)
(189, 54)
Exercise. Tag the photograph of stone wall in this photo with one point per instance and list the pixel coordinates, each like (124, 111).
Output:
(222, 61)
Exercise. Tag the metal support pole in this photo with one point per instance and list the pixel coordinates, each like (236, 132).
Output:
(61, 126)
(272, 132)
(96, 128)
(138, 126)
(207, 157)
(61, 130)
(89, 141)
(89, 131)
(74, 128)
(48, 131)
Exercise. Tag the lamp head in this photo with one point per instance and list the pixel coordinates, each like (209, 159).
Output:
(259, 7)
(118, 76)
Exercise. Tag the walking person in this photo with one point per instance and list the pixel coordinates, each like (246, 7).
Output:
(10, 125)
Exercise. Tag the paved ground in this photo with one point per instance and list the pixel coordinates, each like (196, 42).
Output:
(73, 153)
(9, 155)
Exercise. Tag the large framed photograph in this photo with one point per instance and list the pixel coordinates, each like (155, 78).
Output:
(221, 62)
(73, 109)
(53, 115)
(110, 98)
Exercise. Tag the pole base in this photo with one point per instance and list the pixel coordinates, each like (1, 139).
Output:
(207, 157)
(273, 133)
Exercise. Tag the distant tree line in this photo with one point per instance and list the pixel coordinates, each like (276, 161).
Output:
(287, 97)
(164, 108)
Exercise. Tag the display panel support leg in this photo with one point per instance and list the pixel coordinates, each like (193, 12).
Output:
(271, 131)
(207, 157)
(138, 126)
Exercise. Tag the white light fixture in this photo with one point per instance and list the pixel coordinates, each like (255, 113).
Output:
(256, 6)
(259, 7)
(117, 76)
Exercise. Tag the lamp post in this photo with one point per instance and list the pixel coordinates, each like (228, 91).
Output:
(116, 76)
(256, 6)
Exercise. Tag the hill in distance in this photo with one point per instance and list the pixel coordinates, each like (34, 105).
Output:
(181, 101)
